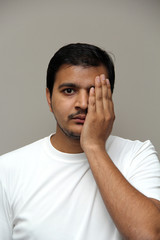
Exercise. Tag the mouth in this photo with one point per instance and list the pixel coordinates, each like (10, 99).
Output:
(79, 119)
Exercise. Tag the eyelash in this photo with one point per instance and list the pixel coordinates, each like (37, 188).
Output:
(71, 91)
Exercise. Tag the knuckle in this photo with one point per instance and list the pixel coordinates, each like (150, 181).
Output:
(101, 118)
(92, 103)
(94, 119)
(110, 117)
(99, 98)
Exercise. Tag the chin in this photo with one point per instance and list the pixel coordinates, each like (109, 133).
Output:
(72, 133)
(76, 128)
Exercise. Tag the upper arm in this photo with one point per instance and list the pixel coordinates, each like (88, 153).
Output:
(144, 171)
(156, 202)
(5, 212)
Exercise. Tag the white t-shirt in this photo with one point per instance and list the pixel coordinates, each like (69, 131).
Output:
(49, 195)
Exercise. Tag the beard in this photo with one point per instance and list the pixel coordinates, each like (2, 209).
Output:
(69, 134)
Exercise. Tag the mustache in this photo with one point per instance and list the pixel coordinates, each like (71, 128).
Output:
(73, 115)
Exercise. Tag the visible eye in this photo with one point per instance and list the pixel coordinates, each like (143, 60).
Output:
(68, 91)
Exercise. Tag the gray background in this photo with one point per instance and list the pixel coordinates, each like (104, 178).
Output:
(31, 32)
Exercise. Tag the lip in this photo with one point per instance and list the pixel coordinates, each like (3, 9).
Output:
(79, 118)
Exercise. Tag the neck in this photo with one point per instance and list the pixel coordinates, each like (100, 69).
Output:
(65, 144)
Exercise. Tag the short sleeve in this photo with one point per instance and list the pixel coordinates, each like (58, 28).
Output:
(144, 170)
(5, 216)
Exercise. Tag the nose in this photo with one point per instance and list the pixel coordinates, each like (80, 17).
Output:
(82, 100)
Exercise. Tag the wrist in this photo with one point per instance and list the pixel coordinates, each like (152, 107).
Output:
(94, 149)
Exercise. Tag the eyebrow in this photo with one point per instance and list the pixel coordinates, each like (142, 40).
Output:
(68, 85)
(72, 85)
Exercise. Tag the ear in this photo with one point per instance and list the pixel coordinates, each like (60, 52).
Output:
(48, 96)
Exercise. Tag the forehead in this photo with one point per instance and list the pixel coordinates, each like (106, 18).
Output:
(80, 75)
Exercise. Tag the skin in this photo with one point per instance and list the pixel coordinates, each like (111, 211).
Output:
(136, 216)
(64, 104)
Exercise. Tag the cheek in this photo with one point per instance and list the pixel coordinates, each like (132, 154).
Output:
(62, 108)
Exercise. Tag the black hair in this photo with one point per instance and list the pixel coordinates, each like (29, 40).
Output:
(80, 54)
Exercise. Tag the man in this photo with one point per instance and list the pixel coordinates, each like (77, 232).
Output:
(80, 182)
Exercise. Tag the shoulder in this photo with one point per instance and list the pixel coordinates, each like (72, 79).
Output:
(19, 156)
(138, 162)
(127, 153)
(127, 145)
(21, 164)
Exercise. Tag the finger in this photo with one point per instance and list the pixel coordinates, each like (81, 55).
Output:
(106, 100)
(92, 101)
(109, 89)
(98, 95)
(104, 88)
(107, 97)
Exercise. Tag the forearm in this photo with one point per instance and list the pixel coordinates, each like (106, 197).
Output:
(135, 215)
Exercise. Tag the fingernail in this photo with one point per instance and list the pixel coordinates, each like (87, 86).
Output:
(92, 90)
(98, 79)
(103, 77)
(108, 82)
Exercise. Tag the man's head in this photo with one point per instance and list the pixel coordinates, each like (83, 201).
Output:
(70, 76)
(79, 54)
